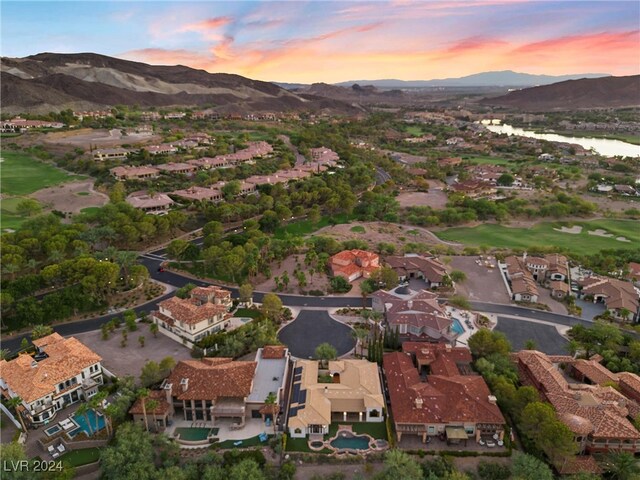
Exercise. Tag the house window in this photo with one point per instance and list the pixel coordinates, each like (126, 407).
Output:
(297, 431)
(374, 413)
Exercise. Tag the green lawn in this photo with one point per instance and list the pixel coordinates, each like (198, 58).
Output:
(249, 442)
(247, 312)
(82, 456)
(543, 234)
(358, 229)
(305, 227)
(23, 174)
(413, 130)
(8, 216)
(83, 194)
(90, 210)
(488, 160)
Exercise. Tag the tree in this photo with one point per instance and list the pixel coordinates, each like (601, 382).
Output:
(10, 455)
(153, 328)
(486, 342)
(505, 180)
(143, 394)
(459, 301)
(366, 289)
(246, 470)
(622, 466)
(130, 456)
(530, 344)
(141, 341)
(40, 331)
(24, 344)
(314, 214)
(117, 193)
(385, 277)
(493, 471)
(231, 189)
(271, 306)
(528, 467)
(324, 352)
(83, 409)
(28, 207)
(398, 465)
(360, 334)
(150, 374)
(245, 293)
(152, 405)
(15, 402)
(458, 276)
(339, 284)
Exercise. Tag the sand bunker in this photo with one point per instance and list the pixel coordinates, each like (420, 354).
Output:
(576, 229)
(600, 233)
(623, 239)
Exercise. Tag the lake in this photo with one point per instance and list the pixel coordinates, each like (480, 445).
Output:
(603, 146)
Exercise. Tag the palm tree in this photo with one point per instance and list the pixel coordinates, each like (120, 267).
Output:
(622, 466)
(152, 405)
(271, 400)
(15, 402)
(126, 259)
(143, 393)
(96, 404)
(109, 412)
(360, 334)
(153, 328)
(83, 409)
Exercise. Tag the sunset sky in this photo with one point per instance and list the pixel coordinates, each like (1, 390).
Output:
(313, 41)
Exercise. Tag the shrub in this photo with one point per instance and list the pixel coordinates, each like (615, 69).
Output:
(493, 471)
(340, 285)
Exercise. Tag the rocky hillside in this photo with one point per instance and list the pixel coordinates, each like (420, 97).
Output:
(50, 81)
(607, 92)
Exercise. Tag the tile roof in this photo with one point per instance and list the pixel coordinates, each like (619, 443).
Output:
(349, 262)
(442, 398)
(618, 294)
(191, 311)
(159, 396)
(67, 357)
(212, 378)
(147, 201)
(272, 352)
(603, 407)
(432, 268)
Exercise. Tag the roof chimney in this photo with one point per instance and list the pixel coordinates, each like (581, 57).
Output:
(410, 304)
(492, 399)
(419, 402)
(184, 383)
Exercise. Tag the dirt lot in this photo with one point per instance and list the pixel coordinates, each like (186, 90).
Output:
(435, 198)
(98, 138)
(377, 232)
(71, 197)
(319, 281)
(482, 284)
(130, 359)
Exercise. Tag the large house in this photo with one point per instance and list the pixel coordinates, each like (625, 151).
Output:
(451, 401)
(200, 194)
(553, 267)
(134, 173)
(155, 204)
(416, 315)
(597, 413)
(204, 312)
(110, 154)
(418, 266)
(211, 388)
(620, 297)
(354, 395)
(353, 264)
(63, 371)
(215, 388)
(523, 285)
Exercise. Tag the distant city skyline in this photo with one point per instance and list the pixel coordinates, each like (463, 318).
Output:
(335, 41)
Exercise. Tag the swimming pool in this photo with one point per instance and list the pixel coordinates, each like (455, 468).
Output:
(81, 420)
(193, 434)
(346, 441)
(49, 432)
(457, 327)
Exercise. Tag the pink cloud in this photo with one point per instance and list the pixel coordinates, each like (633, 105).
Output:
(206, 25)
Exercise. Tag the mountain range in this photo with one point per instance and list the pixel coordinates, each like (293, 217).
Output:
(607, 92)
(504, 78)
(51, 81)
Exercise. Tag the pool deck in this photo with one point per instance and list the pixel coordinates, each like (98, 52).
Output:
(252, 428)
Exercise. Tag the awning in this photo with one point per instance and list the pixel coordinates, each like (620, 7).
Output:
(456, 433)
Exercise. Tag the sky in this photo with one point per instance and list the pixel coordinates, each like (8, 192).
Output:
(333, 41)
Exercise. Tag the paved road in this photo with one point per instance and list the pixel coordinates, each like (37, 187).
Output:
(313, 327)
(546, 337)
(153, 260)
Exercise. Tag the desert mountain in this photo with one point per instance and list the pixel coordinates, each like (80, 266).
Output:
(51, 81)
(505, 78)
(607, 92)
